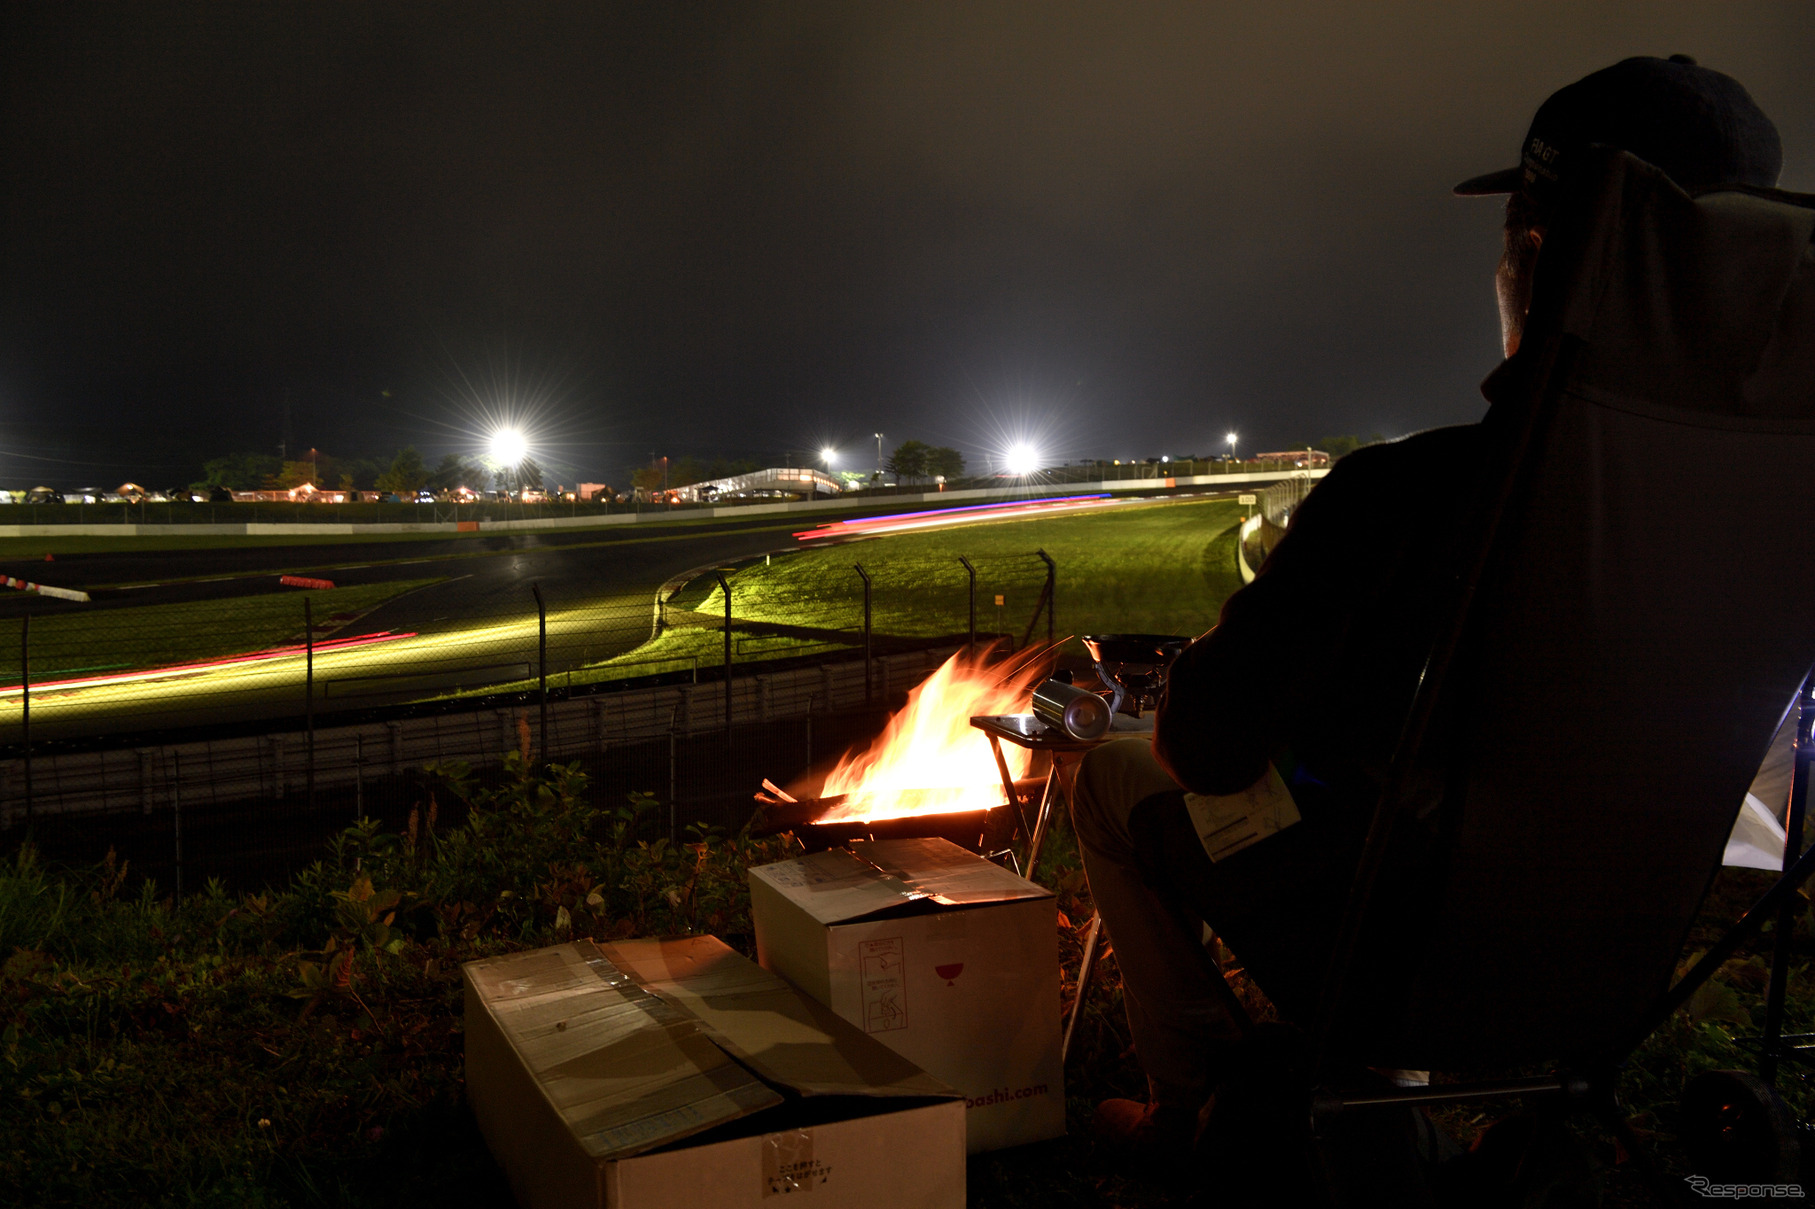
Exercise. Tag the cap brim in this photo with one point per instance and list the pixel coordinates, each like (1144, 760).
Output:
(1508, 180)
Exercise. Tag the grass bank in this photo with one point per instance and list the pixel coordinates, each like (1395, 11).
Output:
(90, 641)
(1147, 568)
(302, 1046)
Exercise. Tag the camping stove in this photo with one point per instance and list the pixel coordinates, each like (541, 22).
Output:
(1134, 667)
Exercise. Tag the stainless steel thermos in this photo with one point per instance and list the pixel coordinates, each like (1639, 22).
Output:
(1078, 712)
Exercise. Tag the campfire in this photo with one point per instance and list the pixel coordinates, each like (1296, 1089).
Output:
(929, 772)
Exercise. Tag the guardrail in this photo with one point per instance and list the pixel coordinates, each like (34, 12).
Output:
(329, 520)
(257, 808)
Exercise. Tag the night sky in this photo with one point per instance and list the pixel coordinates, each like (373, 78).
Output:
(741, 230)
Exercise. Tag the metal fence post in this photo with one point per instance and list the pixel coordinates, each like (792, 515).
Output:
(359, 777)
(309, 700)
(725, 587)
(1771, 1051)
(176, 819)
(971, 645)
(25, 706)
(542, 662)
(1052, 595)
(869, 668)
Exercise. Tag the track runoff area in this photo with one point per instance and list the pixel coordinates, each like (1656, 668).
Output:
(448, 638)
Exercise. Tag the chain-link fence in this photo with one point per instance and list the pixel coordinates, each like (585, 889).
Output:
(93, 674)
(257, 807)
(277, 718)
(839, 598)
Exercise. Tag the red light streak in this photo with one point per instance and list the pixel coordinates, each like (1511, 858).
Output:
(902, 521)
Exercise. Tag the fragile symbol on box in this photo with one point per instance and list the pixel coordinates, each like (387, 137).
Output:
(884, 990)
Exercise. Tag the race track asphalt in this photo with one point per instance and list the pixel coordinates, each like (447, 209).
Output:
(483, 575)
(599, 586)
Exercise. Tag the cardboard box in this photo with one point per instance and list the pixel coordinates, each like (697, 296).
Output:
(671, 1074)
(945, 958)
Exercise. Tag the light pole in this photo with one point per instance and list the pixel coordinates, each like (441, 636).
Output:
(1231, 440)
(878, 456)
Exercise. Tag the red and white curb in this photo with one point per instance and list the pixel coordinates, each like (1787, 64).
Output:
(25, 585)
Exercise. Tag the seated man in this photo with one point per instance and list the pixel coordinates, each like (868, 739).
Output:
(1250, 808)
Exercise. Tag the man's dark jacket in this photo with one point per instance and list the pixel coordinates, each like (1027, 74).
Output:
(1313, 664)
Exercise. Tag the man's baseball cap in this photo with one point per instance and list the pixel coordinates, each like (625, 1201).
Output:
(1698, 125)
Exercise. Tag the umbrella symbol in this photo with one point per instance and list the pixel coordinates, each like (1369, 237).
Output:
(949, 971)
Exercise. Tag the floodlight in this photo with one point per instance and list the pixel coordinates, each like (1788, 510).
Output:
(827, 455)
(1022, 459)
(508, 446)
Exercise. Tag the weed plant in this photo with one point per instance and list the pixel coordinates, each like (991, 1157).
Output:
(302, 1046)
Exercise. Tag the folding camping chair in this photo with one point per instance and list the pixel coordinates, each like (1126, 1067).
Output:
(1633, 609)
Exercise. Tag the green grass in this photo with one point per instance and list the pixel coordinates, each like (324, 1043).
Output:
(89, 641)
(1141, 568)
(676, 650)
(1154, 568)
(1149, 568)
(209, 1051)
(206, 1051)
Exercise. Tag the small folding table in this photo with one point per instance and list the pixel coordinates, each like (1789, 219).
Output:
(1027, 731)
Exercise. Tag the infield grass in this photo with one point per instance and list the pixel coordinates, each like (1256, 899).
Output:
(75, 643)
(1161, 568)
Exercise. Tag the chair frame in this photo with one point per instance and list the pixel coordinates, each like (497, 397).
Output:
(1589, 1086)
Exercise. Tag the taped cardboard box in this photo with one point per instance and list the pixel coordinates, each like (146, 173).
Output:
(945, 958)
(662, 1074)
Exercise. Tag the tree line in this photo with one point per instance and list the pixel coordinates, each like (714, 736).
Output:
(914, 460)
(404, 471)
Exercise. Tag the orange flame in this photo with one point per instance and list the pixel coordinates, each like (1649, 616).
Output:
(930, 759)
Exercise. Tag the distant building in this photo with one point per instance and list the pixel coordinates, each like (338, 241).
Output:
(1298, 457)
(305, 494)
(775, 483)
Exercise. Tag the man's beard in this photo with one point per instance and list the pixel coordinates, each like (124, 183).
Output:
(1512, 283)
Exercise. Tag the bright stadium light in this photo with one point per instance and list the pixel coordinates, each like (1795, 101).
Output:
(1022, 459)
(827, 455)
(508, 446)
(1231, 439)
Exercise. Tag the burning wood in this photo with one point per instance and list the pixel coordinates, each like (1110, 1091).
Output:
(929, 772)
(928, 759)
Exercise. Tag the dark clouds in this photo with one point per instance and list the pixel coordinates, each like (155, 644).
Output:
(747, 228)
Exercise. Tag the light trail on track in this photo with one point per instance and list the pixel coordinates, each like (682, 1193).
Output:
(387, 667)
(961, 514)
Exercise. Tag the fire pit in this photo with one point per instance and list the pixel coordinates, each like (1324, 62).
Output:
(928, 774)
(815, 822)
